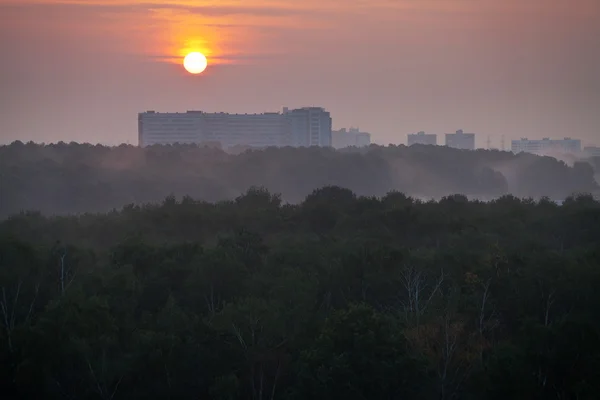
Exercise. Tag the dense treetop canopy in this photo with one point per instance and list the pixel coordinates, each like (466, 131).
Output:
(338, 296)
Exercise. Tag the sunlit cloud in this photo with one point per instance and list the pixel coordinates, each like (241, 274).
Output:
(226, 30)
(167, 31)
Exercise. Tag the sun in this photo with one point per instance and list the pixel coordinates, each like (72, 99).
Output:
(195, 62)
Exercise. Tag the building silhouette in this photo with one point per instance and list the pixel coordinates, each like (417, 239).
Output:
(308, 126)
(460, 140)
(546, 146)
(591, 151)
(421, 138)
(352, 137)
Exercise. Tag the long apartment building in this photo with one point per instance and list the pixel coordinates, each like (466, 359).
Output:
(546, 146)
(303, 127)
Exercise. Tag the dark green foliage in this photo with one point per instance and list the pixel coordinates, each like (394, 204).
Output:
(360, 354)
(340, 296)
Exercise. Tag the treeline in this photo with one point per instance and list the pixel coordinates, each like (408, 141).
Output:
(339, 296)
(73, 178)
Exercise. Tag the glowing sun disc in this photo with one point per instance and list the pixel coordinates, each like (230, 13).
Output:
(195, 63)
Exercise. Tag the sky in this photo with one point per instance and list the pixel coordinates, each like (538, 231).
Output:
(81, 70)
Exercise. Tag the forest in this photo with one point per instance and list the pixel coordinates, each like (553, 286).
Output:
(336, 296)
(77, 178)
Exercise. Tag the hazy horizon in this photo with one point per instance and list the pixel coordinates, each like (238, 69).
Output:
(77, 70)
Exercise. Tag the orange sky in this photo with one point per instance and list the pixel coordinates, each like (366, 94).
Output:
(81, 70)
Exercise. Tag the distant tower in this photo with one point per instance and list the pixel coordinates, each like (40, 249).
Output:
(489, 142)
(502, 143)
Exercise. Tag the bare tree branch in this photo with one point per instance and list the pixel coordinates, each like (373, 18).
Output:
(7, 325)
(98, 386)
(416, 287)
(116, 388)
(238, 334)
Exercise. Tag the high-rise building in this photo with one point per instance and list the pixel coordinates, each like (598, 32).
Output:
(352, 137)
(461, 140)
(421, 138)
(309, 126)
(546, 146)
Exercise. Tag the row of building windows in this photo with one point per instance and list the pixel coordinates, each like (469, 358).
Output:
(272, 129)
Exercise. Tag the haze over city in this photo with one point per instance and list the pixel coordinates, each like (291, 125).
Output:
(82, 70)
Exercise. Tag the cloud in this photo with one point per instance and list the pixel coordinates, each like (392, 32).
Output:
(221, 30)
(225, 59)
(224, 27)
(224, 14)
(212, 10)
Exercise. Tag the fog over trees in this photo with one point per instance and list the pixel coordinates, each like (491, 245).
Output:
(73, 178)
(170, 276)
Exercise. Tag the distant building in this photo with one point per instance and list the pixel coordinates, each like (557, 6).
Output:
(254, 130)
(167, 128)
(421, 138)
(546, 146)
(591, 151)
(461, 140)
(310, 126)
(348, 138)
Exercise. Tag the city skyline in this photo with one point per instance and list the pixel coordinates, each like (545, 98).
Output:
(281, 129)
(360, 138)
(77, 70)
(278, 129)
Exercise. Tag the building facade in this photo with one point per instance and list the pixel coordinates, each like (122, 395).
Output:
(310, 126)
(352, 137)
(591, 151)
(460, 140)
(421, 138)
(253, 130)
(546, 146)
(168, 128)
